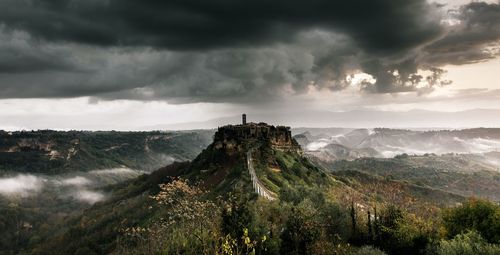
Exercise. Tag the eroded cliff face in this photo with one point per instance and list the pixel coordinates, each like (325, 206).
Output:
(42, 145)
(46, 151)
(239, 138)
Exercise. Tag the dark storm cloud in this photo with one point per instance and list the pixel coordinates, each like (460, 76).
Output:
(403, 77)
(12, 61)
(474, 39)
(229, 51)
(377, 25)
(218, 75)
(19, 55)
(236, 75)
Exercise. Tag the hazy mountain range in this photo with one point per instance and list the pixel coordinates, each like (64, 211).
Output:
(356, 119)
(343, 143)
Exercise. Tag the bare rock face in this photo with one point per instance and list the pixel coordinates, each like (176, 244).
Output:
(29, 144)
(239, 138)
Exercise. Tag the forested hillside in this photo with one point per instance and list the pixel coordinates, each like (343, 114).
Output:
(55, 152)
(211, 206)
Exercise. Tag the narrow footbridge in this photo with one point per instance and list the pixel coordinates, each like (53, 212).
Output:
(259, 188)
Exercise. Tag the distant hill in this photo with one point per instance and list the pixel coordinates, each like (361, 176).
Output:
(464, 162)
(385, 142)
(356, 119)
(54, 152)
(450, 173)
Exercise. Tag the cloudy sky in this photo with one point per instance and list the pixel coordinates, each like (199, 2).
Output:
(128, 65)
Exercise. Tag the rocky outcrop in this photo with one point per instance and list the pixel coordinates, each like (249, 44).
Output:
(239, 138)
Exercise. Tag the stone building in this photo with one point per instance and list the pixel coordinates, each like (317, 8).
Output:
(279, 137)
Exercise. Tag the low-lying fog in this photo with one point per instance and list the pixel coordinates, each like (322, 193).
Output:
(82, 187)
(353, 143)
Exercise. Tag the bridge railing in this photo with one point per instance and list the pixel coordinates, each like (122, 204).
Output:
(259, 188)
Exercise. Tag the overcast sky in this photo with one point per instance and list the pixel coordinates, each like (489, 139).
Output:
(131, 65)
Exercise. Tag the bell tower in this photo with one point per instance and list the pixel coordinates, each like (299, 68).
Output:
(244, 119)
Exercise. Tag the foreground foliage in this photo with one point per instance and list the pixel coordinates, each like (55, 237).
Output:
(208, 206)
(470, 243)
(479, 215)
(194, 224)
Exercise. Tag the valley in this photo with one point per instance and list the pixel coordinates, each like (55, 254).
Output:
(258, 168)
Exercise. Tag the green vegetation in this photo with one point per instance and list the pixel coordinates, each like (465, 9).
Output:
(208, 206)
(54, 152)
(25, 221)
(479, 215)
(458, 174)
(470, 243)
(212, 209)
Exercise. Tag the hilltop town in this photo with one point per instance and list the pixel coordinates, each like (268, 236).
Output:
(241, 137)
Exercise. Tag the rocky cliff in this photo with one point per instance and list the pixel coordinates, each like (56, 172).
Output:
(239, 138)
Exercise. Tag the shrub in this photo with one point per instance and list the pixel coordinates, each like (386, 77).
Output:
(475, 214)
(399, 232)
(470, 243)
(369, 250)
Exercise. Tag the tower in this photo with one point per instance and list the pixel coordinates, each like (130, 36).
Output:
(244, 119)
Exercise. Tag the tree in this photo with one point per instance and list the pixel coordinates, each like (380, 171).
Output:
(235, 217)
(353, 219)
(369, 226)
(470, 243)
(335, 219)
(301, 230)
(400, 232)
(475, 214)
(189, 223)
